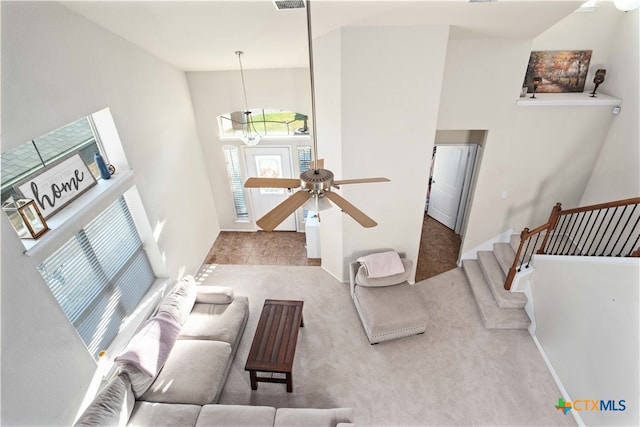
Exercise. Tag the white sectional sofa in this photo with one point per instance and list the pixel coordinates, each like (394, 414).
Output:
(173, 370)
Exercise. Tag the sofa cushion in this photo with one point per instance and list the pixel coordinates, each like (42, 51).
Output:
(236, 416)
(180, 300)
(363, 279)
(219, 322)
(147, 414)
(111, 407)
(391, 309)
(214, 294)
(291, 417)
(194, 373)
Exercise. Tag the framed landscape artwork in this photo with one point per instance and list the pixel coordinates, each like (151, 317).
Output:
(561, 70)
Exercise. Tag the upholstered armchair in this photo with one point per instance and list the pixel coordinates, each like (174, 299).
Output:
(388, 306)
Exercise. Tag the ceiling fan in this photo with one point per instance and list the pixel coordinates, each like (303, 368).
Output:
(315, 183)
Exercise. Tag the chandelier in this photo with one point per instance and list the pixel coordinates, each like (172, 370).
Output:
(249, 137)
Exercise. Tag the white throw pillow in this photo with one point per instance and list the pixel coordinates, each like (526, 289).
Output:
(214, 294)
(179, 302)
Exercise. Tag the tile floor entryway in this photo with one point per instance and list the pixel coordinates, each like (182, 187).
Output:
(260, 248)
(438, 253)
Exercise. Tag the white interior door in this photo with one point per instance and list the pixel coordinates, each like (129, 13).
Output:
(447, 183)
(269, 162)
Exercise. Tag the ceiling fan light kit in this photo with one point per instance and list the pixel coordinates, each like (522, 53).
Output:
(315, 185)
(318, 203)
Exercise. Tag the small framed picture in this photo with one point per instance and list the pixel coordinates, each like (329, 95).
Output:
(33, 219)
(25, 217)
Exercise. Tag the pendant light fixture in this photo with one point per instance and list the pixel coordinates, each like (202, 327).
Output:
(249, 137)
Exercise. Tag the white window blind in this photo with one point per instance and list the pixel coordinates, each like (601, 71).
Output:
(235, 179)
(100, 275)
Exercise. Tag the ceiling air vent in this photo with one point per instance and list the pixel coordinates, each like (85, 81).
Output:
(289, 4)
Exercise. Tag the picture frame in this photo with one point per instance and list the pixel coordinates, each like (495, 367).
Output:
(33, 219)
(562, 71)
(58, 184)
(25, 217)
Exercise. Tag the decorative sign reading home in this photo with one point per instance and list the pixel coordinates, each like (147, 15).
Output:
(58, 185)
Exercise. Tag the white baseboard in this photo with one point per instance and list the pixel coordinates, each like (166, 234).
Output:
(564, 392)
(488, 245)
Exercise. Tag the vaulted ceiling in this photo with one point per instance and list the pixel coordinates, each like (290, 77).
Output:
(203, 35)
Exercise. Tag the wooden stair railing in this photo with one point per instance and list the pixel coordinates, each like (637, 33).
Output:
(605, 229)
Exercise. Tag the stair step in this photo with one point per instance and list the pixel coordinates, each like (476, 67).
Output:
(495, 278)
(514, 241)
(492, 316)
(505, 255)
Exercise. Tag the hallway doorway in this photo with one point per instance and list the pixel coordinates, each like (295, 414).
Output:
(454, 163)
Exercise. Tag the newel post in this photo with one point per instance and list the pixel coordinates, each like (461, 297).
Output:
(551, 225)
(514, 267)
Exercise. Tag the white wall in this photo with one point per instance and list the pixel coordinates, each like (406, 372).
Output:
(538, 155)
(388, 80)
(218, 92)
(587, 315)
(328, 84)
(617, 171)
(58, 67)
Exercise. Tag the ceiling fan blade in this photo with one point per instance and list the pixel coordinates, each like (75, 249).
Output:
(359, 181)
(351, 210)
(278, 214)
(320, 164)
(272, 183)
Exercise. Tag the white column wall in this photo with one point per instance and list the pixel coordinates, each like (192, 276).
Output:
(389, 88)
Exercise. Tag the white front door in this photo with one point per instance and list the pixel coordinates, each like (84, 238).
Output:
(269, 162)
(447, 183)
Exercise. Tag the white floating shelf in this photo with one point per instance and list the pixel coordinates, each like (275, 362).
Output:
(563, 99)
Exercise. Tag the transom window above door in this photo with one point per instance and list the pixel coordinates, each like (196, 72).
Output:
(264, 122)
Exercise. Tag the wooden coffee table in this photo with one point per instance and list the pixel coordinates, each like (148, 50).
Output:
(274, 343)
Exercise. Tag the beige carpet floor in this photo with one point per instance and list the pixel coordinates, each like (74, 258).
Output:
(457, 373)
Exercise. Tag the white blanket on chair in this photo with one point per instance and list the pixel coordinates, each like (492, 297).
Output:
(382, 264)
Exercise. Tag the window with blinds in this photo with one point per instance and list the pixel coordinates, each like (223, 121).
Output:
(235, 179)
(100, 275)
(32, 157)
(304, 163)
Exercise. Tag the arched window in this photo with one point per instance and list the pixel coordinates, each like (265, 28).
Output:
(264, 122)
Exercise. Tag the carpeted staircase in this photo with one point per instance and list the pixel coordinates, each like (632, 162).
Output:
(499, 308)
